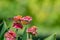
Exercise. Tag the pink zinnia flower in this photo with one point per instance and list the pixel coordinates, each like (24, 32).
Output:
(17, 25)
(17, 18)
(32, 30)
(10, 35)
(26, 20)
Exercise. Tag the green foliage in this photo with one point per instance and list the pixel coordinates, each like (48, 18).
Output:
(51, 37)
(3, 30)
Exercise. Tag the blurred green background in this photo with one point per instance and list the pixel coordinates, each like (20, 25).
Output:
(45, 13)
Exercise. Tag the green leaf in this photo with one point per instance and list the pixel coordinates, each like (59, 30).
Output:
(1, 26)
(52, 37)
(24, 35)
(4, 28)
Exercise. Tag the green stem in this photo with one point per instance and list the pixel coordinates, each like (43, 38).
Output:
(30, 36)
(27, 34)
(4, 38)
(16, 34)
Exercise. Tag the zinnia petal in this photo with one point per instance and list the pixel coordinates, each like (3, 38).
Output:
(16, 18)
(10, 35)
(17, 25)
(32, 30)
(26, 20)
